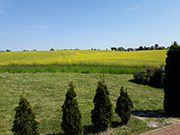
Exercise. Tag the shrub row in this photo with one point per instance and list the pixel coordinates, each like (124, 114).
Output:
(152, 76)
(25, 120)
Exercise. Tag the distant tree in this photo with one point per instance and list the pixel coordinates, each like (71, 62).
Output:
(113, 48)
(25, 122)
(71, 119)
(52, 49)
(34, 50)
(141, 48)
(129, 49)
(123, 106)
(101, 115)
(161, 48)
(172, 82)
(8, 50)
(121, 49)
(152, 48)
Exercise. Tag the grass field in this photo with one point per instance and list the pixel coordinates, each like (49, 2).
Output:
(69, 68)
(46, 93)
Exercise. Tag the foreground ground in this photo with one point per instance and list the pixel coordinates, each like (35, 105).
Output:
(46, 93)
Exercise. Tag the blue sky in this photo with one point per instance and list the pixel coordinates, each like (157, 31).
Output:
(86, 24)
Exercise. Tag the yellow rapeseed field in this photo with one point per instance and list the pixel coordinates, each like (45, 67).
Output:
(84, 57)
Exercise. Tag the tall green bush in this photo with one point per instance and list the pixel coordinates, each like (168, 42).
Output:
(123, 106)
(101, 115)
(25, 122)
(157, 77)
(172, 82)
(152, 76)
(71, 119)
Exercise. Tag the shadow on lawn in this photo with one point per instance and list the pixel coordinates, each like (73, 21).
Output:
(56, 134)
(90, 129)
(149, 113)
(133, 81)
(115, 124)
(158, 87)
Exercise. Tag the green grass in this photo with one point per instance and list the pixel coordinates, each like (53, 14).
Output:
(68, 68)
(46, 93)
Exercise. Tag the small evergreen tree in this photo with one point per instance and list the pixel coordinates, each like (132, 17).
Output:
(101, 115)
(123, 106)
(25, 122)
(172, 82)
(71, 119)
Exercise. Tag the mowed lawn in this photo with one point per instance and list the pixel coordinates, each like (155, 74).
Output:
(46, 93)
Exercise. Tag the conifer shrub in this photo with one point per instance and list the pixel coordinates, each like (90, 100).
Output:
(172, 82)
(25, 122)
(71, 119)
(123, 106)
(101, 115)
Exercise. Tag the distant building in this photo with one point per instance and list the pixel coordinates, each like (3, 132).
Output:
(156, 46)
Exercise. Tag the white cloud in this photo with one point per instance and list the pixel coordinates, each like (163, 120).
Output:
(134, 8)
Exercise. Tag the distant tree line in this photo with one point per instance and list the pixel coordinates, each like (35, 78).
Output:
(155, 47)
(5, 51)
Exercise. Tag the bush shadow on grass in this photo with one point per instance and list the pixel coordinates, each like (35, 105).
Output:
(149, 113)
(90, 129)
(133, 81)
(115, 124)
(56, 134)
